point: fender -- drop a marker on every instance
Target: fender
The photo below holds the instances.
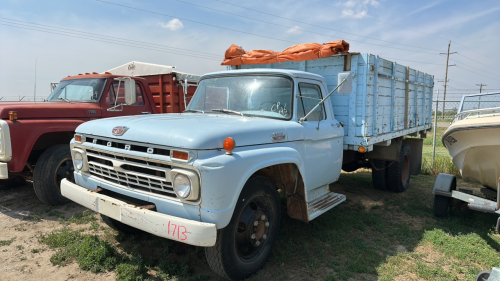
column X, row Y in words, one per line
column 229, row 173
column 25, row 133
column 444, row 185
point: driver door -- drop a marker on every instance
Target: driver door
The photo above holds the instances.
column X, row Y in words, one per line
column 323, row 137
column 114, row 94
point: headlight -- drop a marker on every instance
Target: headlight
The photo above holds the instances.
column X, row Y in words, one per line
column 182, row 185
column 78, row 160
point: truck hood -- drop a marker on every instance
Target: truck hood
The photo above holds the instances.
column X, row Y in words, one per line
column 38, row 110
column 192, row 131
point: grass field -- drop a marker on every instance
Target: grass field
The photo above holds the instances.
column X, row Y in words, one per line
column 442, row 161
column 374, row 235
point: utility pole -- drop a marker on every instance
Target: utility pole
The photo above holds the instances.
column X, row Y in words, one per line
column 480, row 90
column 446, row 75
column 481, row 87
column 34, row 94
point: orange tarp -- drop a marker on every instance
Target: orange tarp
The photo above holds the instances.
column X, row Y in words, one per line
column 309, row 51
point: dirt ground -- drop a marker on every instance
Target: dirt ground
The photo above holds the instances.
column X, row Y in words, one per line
column 23, row 218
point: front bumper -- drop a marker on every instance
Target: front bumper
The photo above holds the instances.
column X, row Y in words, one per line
column 170, row 227
column 4, row 171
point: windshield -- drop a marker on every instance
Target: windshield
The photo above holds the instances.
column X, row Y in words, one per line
column 480, row 101
column 257, row 95
column 81, row 90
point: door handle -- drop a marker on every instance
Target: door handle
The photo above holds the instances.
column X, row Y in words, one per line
column 145, row 112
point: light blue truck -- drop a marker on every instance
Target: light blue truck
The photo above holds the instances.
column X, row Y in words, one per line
column 213, row 175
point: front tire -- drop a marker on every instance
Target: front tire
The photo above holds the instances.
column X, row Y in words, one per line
column 53, row 165
column 398, row 173
column 245, row 244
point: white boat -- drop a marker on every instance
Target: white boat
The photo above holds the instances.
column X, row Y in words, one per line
column 473, row 139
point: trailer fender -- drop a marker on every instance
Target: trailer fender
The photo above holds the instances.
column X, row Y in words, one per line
column 444, row 185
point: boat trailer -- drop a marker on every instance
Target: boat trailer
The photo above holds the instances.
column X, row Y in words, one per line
column 445, row 188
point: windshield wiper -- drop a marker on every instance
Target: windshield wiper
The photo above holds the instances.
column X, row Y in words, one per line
column 193, row 110
column 228, row 111
column 66, row 100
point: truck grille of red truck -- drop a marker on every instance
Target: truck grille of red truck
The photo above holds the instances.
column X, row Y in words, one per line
column 133, row 174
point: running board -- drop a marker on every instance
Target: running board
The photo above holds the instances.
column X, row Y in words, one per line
column 323, row 204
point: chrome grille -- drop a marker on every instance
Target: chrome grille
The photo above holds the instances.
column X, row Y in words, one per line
column 133, row 173
column 126, row 146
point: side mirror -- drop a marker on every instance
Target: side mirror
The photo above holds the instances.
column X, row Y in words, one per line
column 130, row 94
column 345, row 88
column 130, row 90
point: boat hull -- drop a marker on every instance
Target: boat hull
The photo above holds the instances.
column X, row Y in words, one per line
column 474, row 145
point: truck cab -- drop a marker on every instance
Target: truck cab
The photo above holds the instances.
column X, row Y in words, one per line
column 35, row 135
column 213, row 175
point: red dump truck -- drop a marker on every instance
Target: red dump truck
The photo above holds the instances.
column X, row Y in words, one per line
column 35, row 136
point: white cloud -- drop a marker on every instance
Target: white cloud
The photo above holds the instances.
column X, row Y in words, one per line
column 174, row 24
column 294, row 30
column 347, row 13
column 357, row 8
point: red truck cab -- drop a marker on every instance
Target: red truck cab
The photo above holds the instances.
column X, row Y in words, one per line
column 35, row 136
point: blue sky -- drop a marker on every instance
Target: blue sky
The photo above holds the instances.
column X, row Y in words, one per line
column 412, row 33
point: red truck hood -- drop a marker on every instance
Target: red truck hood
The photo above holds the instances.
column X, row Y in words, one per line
column 39, row 110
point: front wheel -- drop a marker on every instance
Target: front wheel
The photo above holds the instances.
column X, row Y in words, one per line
column 53, row 165
column 245, row 244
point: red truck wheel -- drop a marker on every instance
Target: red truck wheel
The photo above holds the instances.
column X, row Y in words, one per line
column 54, row 165
column 245, row 244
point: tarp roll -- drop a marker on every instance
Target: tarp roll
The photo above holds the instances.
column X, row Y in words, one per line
column 235, row 55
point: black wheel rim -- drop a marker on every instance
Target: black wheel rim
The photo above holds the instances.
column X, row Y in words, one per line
column 64, row 170
column 252, row 232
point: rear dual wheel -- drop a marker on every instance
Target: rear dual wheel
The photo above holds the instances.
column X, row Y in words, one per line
column 245, row 244
column 393, row 175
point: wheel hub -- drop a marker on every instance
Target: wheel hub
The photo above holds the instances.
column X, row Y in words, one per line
column 259, row 230
column 253, row 228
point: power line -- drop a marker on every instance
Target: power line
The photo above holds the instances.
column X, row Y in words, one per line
column 105, row 41
column 367, row 16
column 274, row 15
column 477, row 62
column 105, row 37
column 235, row 30
column 489, row 57
column 194, row 21
column 478, row 74
column 423, row 62
column 469, row 65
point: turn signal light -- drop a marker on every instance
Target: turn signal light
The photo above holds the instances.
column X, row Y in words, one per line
column 78, row 138
column 181, row 155
column 362, row 149
column 228, row 145
column 12, row 115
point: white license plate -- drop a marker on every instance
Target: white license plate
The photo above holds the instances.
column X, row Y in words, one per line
column 109, row 209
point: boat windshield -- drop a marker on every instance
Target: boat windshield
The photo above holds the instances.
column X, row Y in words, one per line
column 80, row 90
column 252, row 95
column 479, row 104
column 481, row 101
